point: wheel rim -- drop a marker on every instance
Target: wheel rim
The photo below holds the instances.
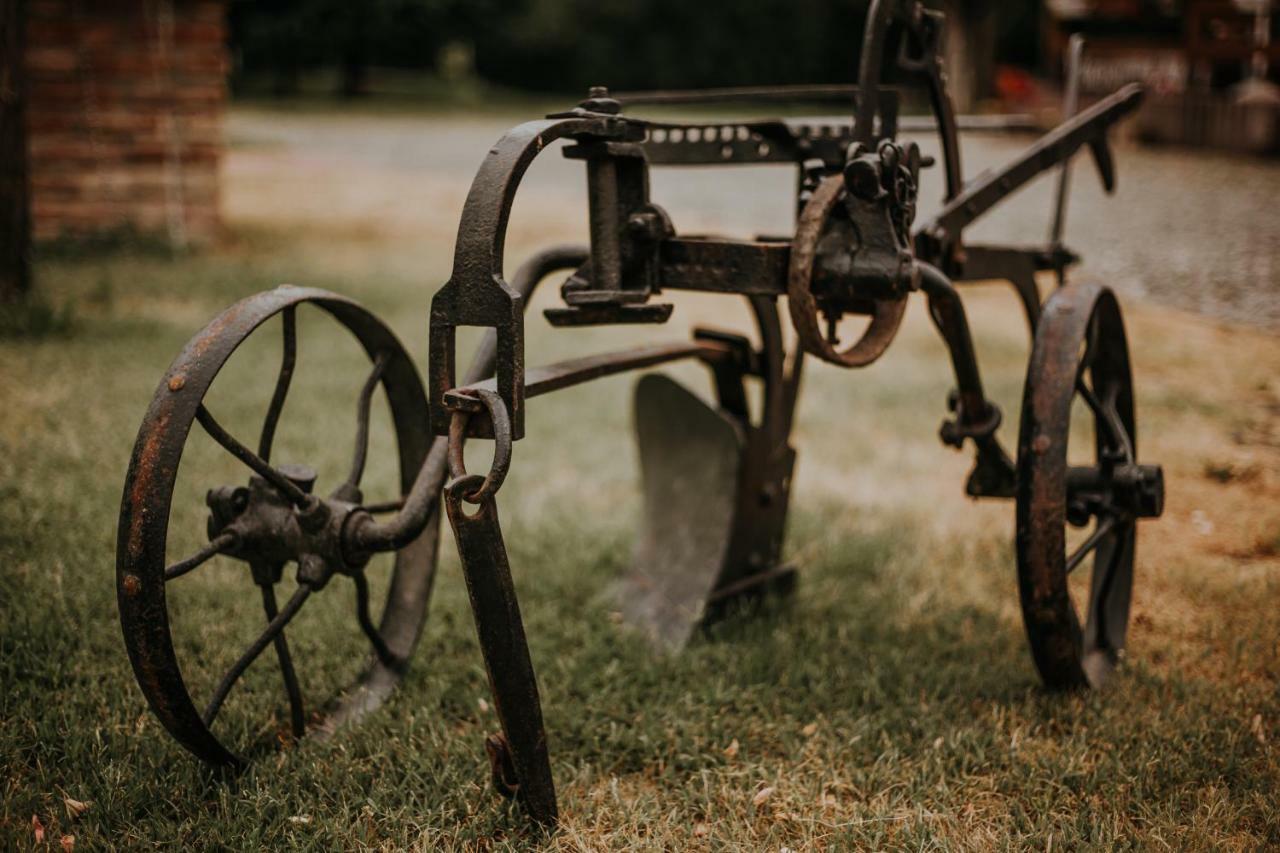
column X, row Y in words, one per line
column 886, row 314
column 1080, row 356
column 148, row 494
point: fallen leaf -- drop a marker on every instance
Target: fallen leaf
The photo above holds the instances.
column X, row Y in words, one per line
column 937, row 742
column 37, row 829
column 483, row 705
column 300, row 818
column 1201, row 523
column 700, row 829
column 732, row 749
column 68, row 843
column 810, row 730
column 75, row 808
column 762, row 796
column 1258, row 731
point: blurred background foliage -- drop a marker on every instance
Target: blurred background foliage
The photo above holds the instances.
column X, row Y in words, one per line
column 567, row 45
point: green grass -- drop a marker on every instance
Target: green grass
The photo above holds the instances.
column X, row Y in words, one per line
column 891, row 703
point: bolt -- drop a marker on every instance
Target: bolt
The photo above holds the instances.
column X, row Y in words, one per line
column 301, row 476
column 598, row 101
column 645, row 224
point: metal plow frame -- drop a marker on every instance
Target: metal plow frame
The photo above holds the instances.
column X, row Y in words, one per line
column 856, row 250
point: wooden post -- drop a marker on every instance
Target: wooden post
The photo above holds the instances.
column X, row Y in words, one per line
column 969, row 52
column 15, row 198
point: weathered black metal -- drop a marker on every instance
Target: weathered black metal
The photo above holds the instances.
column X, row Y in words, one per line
column 717, row 478
column 261, row 524
column 1080, row 353
column 502, row 641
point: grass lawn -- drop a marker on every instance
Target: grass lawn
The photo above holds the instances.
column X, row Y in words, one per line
column 891, row 702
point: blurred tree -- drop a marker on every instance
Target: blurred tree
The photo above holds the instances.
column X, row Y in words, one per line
column 567, row 45
column 15, row 199
column 554, row 44
column 282, row 38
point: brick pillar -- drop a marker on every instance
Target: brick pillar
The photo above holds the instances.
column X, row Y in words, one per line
column 15, row 205
column 125, row 117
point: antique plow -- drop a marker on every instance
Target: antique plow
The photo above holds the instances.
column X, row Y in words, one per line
column 855, row 251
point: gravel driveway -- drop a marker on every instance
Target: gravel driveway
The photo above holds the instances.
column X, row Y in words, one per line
column 1193, row 230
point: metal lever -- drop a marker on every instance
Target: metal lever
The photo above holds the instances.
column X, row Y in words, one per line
column 1070, row 103
column 506, row 652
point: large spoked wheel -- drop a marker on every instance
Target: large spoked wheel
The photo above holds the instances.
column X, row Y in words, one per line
column 1079, row 499
column 270, row 522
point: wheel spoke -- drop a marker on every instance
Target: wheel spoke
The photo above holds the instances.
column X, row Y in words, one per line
column 291, row 608
column 1101, row 591
column 1100, row 530
column 1090, row 349
column 216, row 546
column 362, row 424
column 296, row 716
column 366, row 622
column 253, row 460
column 287, row 362
column 1106, row 413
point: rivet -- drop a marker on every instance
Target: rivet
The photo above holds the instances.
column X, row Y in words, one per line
column 1041, row 443
column 131, row 585
column 176, row 383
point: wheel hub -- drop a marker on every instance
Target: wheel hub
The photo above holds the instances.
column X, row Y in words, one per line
column 269, row 530
column 1131, row 489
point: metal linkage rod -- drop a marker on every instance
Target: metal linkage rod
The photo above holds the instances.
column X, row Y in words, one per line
column 565, row 374
column 947, row 313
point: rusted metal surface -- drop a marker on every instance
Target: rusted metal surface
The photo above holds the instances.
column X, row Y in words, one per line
column 806, row 311
column 1080, row 354
column 717, row 475
column 506, row 652
column 262, row 524
column 1088, row 128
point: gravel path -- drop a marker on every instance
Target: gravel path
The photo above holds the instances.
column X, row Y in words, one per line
column 1192, row 230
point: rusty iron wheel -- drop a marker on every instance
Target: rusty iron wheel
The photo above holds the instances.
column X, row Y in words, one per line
column 142, row 568
column 1081, row 357
column 886, row 314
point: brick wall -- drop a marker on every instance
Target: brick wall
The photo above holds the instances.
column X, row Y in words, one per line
column 124, row 117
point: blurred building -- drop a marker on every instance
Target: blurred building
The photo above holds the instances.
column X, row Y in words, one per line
column 124, row 117
column 1211, row 66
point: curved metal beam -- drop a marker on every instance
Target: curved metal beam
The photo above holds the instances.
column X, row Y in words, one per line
column 476, row 293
